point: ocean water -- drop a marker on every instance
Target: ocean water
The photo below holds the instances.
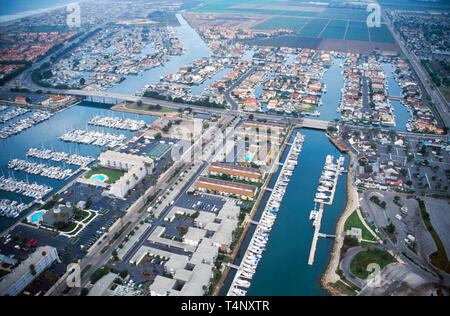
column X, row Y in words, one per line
column 15, row 9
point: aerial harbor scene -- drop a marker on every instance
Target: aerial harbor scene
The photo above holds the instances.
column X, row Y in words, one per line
column 195, row 148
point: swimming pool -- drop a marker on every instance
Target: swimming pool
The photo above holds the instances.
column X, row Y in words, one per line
column 98, row 178
column 35, row 217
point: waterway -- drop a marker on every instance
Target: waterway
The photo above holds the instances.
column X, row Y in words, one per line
column 45, row 135
column 195, row 48
column 284, row 269
column 401, row 112
column 330, row 100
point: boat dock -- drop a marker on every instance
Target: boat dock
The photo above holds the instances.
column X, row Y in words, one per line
column 256, row 247
column 42, row 170
column 329, row 179
column 11, row 209
column 93, row 138
column 117, row 123
column 328, row 184
column 47, row 154
column 32, row 190
column 21, row 125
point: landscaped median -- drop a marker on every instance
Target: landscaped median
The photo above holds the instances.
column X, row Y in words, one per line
column 439, row 258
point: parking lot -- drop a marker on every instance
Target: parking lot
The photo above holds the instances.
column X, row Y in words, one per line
column 406, row 223
column 426, row 171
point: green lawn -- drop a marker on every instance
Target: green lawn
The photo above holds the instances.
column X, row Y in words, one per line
column 113, row 175
column 359, row 263
column 354, row 221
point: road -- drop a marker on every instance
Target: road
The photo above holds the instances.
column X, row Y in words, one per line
column 437, row 98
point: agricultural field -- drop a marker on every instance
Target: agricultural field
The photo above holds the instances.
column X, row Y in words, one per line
column 302, row 17
column 314, row 27
column 335, row 29
column 381, row 34
column 294, row 24
column 357, row 31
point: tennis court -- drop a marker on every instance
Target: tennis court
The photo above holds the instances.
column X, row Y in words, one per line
column 159, row 150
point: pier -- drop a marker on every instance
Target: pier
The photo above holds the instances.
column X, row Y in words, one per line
column 317, row 223
column 256, row 247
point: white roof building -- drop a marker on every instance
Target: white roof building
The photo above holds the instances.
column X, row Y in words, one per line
column 137, row 168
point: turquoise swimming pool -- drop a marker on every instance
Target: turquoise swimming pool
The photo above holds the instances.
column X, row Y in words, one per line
column 35, row 217
column 98, row 178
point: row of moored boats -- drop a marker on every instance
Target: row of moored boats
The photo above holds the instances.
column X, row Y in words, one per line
column 33, row 190
column 13, row 114
column 328, row 179
column 93, row 138
column 118, row 123
column 21, row 125
column 11, row 209
column 52, row 172
column 47, row 154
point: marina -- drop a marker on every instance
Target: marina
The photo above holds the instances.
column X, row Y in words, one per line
column 32, row 190
column 42, row 170
column 117, row 123
column 260, row 237
column 93, row 138
column 45, row 136
column 47, row 154
column 19, row 126
column 11, row 209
